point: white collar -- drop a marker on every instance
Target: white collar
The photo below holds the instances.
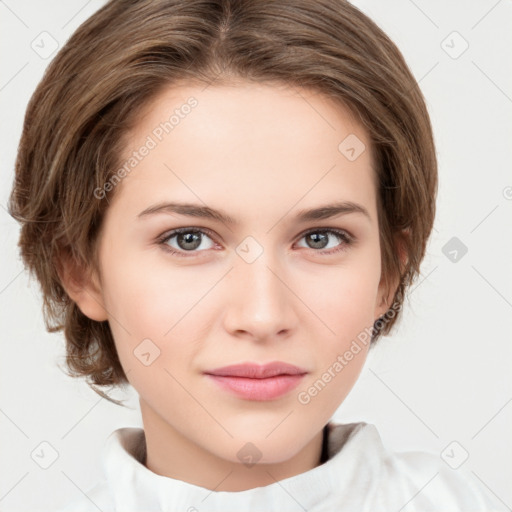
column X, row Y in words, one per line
column 134, row 487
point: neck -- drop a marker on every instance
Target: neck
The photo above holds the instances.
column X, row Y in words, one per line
column 171, row 454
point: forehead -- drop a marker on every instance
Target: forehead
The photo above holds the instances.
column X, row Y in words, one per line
column 267, row 142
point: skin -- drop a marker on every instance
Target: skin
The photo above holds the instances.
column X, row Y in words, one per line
column 261, row 153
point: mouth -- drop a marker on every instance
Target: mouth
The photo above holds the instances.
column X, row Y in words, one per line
column 252, row 381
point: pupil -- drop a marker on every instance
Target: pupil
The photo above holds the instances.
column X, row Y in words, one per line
column 319, row 240
column 189, row 238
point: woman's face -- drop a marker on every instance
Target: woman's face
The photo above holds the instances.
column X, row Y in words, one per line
column 275, row 283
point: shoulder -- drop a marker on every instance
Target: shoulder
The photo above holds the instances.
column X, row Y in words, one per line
column 122, row 451
column 407, row 481
column 431, row 484
column 94, row 499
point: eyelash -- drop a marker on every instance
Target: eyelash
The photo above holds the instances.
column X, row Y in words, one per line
column 346, row 239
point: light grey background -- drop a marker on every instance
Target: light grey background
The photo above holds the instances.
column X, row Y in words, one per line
column 443, row 376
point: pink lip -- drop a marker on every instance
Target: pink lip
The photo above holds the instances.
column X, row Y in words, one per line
column 257, row 382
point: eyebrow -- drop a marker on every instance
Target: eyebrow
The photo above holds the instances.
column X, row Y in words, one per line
column 306, row 215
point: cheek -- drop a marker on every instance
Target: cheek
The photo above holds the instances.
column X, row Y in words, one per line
column 155, row 309
column 346, row 312
column 150, row 298
column 345, row 304
column 344, row 296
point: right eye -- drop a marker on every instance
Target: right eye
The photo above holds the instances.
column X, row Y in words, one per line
column 186, row 240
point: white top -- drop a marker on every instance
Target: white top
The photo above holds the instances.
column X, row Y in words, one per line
column 359, row 475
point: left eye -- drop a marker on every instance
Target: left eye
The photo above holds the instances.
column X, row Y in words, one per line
column 318, row 239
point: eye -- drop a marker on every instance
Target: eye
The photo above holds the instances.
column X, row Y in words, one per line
column 181, row 241
column 186, row 239
column 318, row 239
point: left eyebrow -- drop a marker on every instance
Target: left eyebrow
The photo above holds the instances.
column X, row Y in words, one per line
column 331, row 210
column 306, row 215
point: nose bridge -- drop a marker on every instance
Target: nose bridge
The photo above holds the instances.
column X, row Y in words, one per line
column 259, row 298
column 260, row 277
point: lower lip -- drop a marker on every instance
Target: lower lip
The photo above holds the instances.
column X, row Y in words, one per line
column 258, row 389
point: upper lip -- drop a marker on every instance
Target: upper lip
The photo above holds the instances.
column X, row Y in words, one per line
column 257, row 371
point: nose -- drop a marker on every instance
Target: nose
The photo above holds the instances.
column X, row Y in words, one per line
column 260, row 304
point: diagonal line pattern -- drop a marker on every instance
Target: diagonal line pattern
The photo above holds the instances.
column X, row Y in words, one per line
column 491, row 419
column 424, row 14
column 100, row 509
column 418, row 492
column 426, row 277
column 11, row 281
column 13, row 13
column 14, row 485
column 492, row 81
column 217, row 486
column 495, row 289
column 490, row 490
column 320, row 115
column 280, row 423
column 485, row 15
column 76, row 14
column 492, row 211
column 81, row 418
column 428, row 72
column 410, row 409
column 279, row 483
column 13, row 77
column 424, row 76
column 14, row 424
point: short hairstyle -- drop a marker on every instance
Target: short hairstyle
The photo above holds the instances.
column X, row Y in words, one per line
column 129, row 51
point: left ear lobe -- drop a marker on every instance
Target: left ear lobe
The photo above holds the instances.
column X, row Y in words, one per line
column 385, row 297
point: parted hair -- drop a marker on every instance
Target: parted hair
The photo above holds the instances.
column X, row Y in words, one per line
column 126, row 53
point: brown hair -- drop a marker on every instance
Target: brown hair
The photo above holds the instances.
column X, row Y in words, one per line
column 128, row 51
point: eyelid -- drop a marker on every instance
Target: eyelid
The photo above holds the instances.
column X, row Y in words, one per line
column 171, row 233
column 212, row 234
column 338, row 231
column 175, row 231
